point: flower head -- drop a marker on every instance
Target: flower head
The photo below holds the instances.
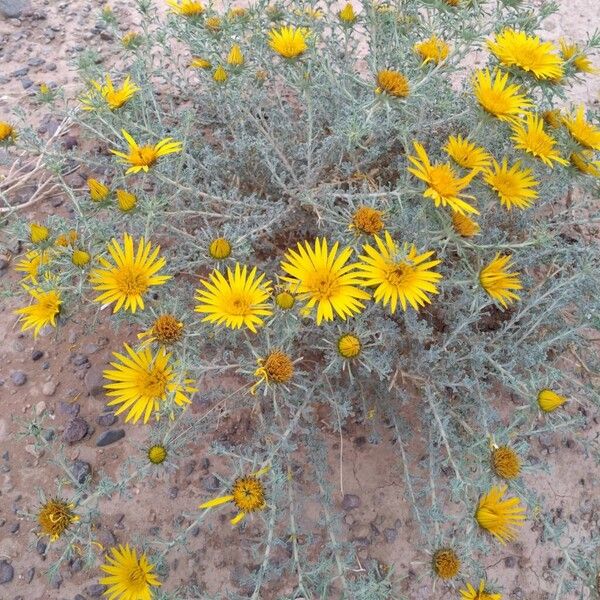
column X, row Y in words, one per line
column 392, row 83
column 498, row 516
column 7, row 132
column 321, row 277
column 347, row 15
column 141, row 158
column 80, row 258
column 499, row 98
column 31, row 264
column 549, row 401
column 128, row 577
column 505, row 462
column 98, row 191
column 349, row 346
column 235, row 58
column 499, row 282
column 213, row 24
column 584, row 162
column 66, row 239
column 131, row 39
column 157, row 454
column 367, row 220
column 200, row 63
column 236, row 300
column 288, row 41
column 514, row 186
column 446, row 563
column 55, row 517
column 38, row 233
column 464, row 225
column 581, row 130
column 220, row 75
column 529, row 135
column 404, row 276
column 141, row 381
column 552, row 118
column 115, row 98
column 166, row 330
column 186, row 8
column 126, row 200
column 433, row 50
column 285, row 300
column 276, row 368
column 527, row 52
column 443, row 184
column 572, row 52
column 220, row 248
column 43, row 311
column 470, row 593
column 466, row 154
column 130, row 274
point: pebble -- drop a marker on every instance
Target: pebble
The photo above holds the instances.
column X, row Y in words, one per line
column 75, row 430
column 81, row 470
column 18, row 377
column 95, row 590
column 49, row 388
column 69, row 408
column 173, row 492
column 13, row 9
column 41, row 547
column 110, row 437
column 390, row 534
column 29, row 574
column 40, row 408
column 79, row 359
column 106, row 420
column 36, row 355
column 350, row 501
column 94, row 380
column 210, row 483
column 6, row 572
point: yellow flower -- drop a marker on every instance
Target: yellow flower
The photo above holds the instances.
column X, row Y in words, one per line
column 466, row 154
column 141, row 158
column 157, row 454
column 7, row 132
column 131, row 39
column 42, row 312
column 187, row 8
column 238, row 300
column 312, row 13
column 552, row 118
column 505, row 462
column 529, row 135
column 129, row 276
column 498, row 516
column 220, row 248
column 98, row 191
column 129, row 577
column 497, row 97
column 55, row 517
column 126, row 200
column 285, row 300
column 237, row 12
column 393, row 83
column 235, row 58
column 213, row 23
column 549, row 401
column 514, row 186
column 367, row 220
column 464, row 226
column 403, row 276
column 583, row 161
column 288, row 41
column 44, row 89
column 527, row 52
column 349, row 345
column 498, row 281
column 470, row 593
column 220, row 75
column 38, row 233
column 582, row 130
column 443, row 185
column 200, row 63
column 31, row 264
column 80, row 258
column 165, row 330
column 347, row 14
column 323, row 279
column 247, row 493
column 141, row 381
column 114, row 98
column 276, row 367
column 446, row 563
column 66, row 239
column 572, row 52
column 432, row 49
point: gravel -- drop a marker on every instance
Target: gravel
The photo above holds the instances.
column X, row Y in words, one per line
column 110, row 437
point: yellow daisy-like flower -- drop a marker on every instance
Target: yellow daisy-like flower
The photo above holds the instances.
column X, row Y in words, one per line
column 126, row 200
column 129, row 276
column 288, row 41
column 213, row 24
column 42, row 312
column 583, row 131
column 322, row 277
column 549, row 401
column 220, row 248
column 115, row 98
column 444, row 187
column 131, row 39
column 464, row 225
column 499, row 98
column 446, row 563
column 349, row 346
column 7, row 132
column 347, row 15
column 285, row 300
column 200, row 63
column 247, row 493
column 55, row 517
column 98, row 191
column 166, row 330
column 157, row 454
column 80, row 258
column 186, row 8
column 238, row 300
column 276, row 367
column 527, row 52
column 466, row 154
column 572, row 52
column 128, row 577
column 499, row 282
column 505, row 462
column 433, row 50
column 220, row 75
column 31, row 264
column 498, row 516
column 367, row 220
column 392, row 83
column 141, row 158
column 529, row 135
column 470, row 593
column 38, row 233
column 398, row 276
column 235, row 58
column 552, row 118
column 585, row 163
column 514, row 186
column 141, row 381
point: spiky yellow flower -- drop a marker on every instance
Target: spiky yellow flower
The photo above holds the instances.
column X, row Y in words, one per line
column 157, row 454
column 466, row 154
column 32, row 263
column 186, row 8
column 237, row 12
column 392, row 83
column 321, row 277
column 349, row 346
column 498, row 516
column 240, row 300
column 347, row 15
column 398, row 275
column 38, row 233
column 498, row 281
column 581, row 130
column 213, row 24
column 514, row 185
column 572, row 52
column 128, row 577
column 141, row 158
column 433, row 50
column 552, row 118
column 446, row 563
column 549, row 401
column 367, row 220
column 80, row 258
column 66, row 239
column 114, row 98
column 464, row 226
column 200, row 63
column 98, row 191
column 55, row 517
column 129, row 276
column 529, row 135
column 499, row 98
column 235, row 58
column 470, row 593
column 220, row 75
column 43, row 311
column 131, row 39
column 7, row 132
column 166, row 330
column 276, row 368
column 584, row 162
column 141, row 381
column 505, row 462
column 527, row 52
column 220, row 248
column 444, row 186
column 288, row 41
column 247, row 493
column 126, row 200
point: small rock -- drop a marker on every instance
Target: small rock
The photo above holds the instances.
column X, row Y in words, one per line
column 106, row 420
column 41, row 547
column 36, row 355
column 76, row 565
column 350, row 501
column 81, row 470
column 510, row 562
column 69, row 408
column 29, row 574
column 95, row 590
column 40, row 408
column 6, row 569
column 94, row 380
column 12, row 9
column 75, row 430
column 79, row 597
column 390, row 535
column 18, row 377
column 173, row 492
column 49, row 388
column 15, row 527
column 56, row 581
column 110, row 437
column 79, row 359
column 210, row 483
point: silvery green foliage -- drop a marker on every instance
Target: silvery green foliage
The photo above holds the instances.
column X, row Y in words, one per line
column 268, row 163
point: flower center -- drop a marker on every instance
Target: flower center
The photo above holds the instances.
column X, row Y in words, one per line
column 132, row 281
column 322, row 285
column 442, row 180
column 240, row 305
column 154, row 383
column 398, row 273
column 144, row 156
column 138, row 579
column 248, row 494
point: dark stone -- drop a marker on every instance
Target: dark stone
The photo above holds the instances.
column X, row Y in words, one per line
column 79, row 359
column 6, row 572
column 81, row 470
column 173, row 492
column 15, row 527
column 106, row 420
column 18, row 377
column 95, row 590
column 210, row 483
column 56, row 581
column 68, row 408
column 36, row 355
column 350, row 501
column 75, row 430
column 94, row 380
column 26, row 83
column 110, row 437
column 13, row 9
column 79, row 597
column 75, row 565
column 29, row 574
column 390, row 535
column 41, row 547
column 510, row 562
